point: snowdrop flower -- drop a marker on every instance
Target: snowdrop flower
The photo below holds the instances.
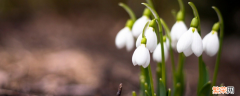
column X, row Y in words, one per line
column 151, row 39
column 151, row 36
column 211, row 43
column 190, row 42
column 141, row 55
column 157, row 53
column 178, row 29
column 140, row 23
column 125, row 38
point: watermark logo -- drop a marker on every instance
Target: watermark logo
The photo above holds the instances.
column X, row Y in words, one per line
column 223, row 90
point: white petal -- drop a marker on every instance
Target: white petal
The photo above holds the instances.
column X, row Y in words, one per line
column 157, row 54
column 139, row 25
column 151, row 39
column 120, row 40
column 197, row 45
column 167, row 43
column 174, row 44
column 185, row 41
column 129, row 41
column 138, row 42
column 178, row 29
column 212, row 46
column 141, row 55
column 205, row 39
column 188, row 51
column 134, row 58
column 148, row 61
column 165, row 51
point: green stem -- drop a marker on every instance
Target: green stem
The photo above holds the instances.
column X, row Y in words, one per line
column 200, row 84
column 142, row 81
column 134, row 93
column 144, row 29
column 200, row 74
column 161, row 40
column 180, row 62
column 150, row 3
column 169, row 92
column 196, row 15
column 220, row 46
column 166, row 28
column 158, row 77
column 180, row 75
column 129, row 11
column 170, row 47
column 181, row 6
column 150, row 78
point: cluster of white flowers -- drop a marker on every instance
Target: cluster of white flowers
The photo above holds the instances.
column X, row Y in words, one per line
column 183, row 40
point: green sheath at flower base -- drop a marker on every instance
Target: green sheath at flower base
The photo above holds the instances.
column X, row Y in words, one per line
column 216, row 26
column 144, row 40
column 194, row 22
column 196, row 15
column 129, row 23
column 147, row 12
column 152, row 23
column 180, row 16
column 129, row 11
column 164, row 38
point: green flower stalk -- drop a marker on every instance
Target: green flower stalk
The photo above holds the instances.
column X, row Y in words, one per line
column 129, row 11
column 203, row 82
column 161, row 41
column 220, row 46
column 124, row 37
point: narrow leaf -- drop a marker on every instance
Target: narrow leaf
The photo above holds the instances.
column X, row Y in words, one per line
column 206, row 89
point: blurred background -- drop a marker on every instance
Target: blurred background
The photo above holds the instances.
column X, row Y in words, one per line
column 66, row 47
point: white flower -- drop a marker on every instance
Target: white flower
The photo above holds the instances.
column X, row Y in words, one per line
column 138, row 26
column 178, row 29
column 141, row 56
column 190, row 42
column 125, row 38
column 151, row 39
column 211, row 43
column 157, row 54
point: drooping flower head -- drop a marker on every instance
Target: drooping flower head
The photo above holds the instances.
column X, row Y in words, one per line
column 125, row 38
column 178, row 29
column 157, row 53
column 141, row 55
column 211, row 41
column 140, row 23
column 191, row 42
column 151, row 37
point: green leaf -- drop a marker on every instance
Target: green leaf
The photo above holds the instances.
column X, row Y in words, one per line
column 169, row 92
column 159, row 75
column 163, row 91
column 179, row 75
column 203, row 76
column 206, row 89
column 177, row 90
